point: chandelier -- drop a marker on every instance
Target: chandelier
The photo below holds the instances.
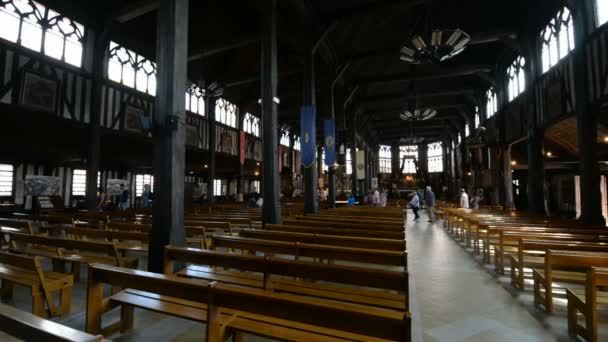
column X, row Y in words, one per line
column 412, row 140
column 444, row 44
column 418, row 114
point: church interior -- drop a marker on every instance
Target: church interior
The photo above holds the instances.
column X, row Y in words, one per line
column 303, row 170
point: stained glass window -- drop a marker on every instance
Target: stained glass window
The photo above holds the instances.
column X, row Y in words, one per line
column 435, row 157
column 251, row 124
column 384, row 158
column 225, row 112
column 411, row 151
column 516, row 78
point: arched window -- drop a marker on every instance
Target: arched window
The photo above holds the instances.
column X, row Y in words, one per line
column 467, row 131
column 23, row 22
column 459, row 138
column 296, row 143
column 384, row 158
column 195, row 100
column 477, row 117
column 491, row 102
column 557, row 39
column 284, row 138
column 601, row 8
column 516, row 78
column 435, row 157
column 412, row 151
column 251, row 124
column 225, row 112
column 131, row 70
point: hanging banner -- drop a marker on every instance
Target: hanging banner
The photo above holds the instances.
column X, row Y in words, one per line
column 308, row 119
column 360, row 165
column 242, row 147
column 329, row 128
column 280, row 149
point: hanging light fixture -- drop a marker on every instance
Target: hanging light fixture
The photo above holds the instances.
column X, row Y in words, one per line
column 418, row 114
column 440, row 45
column 439, row 49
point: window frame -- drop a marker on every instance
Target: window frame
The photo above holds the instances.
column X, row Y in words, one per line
column 4, row 176
column 79, row 188
column 435, row 157
column 410, row 150
column 140, row 182
column 491, row 102
column 516, row 75
column 385, row 158
column 552, row 34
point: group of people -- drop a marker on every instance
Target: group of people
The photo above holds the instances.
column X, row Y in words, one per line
column 429, row 201
column 473, row 203
column 122, row 200
column 377, row 197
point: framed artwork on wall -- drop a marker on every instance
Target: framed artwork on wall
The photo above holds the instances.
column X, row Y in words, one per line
column 39, row 92
column 135, row 119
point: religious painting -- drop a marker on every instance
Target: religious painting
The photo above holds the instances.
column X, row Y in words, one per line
column 226, row 142
column 39, row 92
column 135, row 119
column 42, row 186
column 360, row 165
column 113, row 186
column 191, row 135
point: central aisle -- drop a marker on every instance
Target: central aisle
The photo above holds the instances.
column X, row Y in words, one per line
column 453, row 298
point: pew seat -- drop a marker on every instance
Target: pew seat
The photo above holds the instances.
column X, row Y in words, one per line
column 233, row 310
column 27, row 271
column 585, row 302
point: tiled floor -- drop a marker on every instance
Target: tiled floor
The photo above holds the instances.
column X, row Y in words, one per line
column 456, row 299
column 453, row 298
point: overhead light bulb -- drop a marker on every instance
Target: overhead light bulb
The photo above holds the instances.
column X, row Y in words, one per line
column 453, row 38
column 513, row 162
column 418, row 42
column 407, row 51
column 436, row 38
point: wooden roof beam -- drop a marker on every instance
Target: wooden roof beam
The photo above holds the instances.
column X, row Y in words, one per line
column 135, row 9
column 432, row 75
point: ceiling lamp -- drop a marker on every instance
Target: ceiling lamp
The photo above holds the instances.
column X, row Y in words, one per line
column 443, row 45
column 418, row 114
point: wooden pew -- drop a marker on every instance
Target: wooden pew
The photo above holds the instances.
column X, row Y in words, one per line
column 63, row 251
column 320, row 239
column 555, row 262
column 531, row 253
column 344, row 225
column 229, row 309
column 27, row 271
column 28, row 327
column 274, row 273
column 350, row 223
column 371, row 256
column 585, row 301
column 313, row 228
column 508, row 241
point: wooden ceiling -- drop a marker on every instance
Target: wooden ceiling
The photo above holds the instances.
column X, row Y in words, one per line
column 358, row 40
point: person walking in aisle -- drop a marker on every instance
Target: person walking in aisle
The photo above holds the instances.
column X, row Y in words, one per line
column 429, row 198
column 464, row 199
column 415, row 205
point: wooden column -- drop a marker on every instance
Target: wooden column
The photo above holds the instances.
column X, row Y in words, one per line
column 353, row 158
column 272, row 206
column 587, row 124
column 210, row 110
column 94, row 147
column 311, row 201
column 170, row 135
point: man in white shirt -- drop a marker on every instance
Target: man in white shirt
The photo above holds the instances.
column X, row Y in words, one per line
column 464, row 199
column 415, row 205
column 376, row 197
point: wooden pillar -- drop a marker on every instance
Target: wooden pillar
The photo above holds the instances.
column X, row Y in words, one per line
column 272, row 206
column 94, row 148
column 170, row 136
column 536, row 135
column 311, row 201
column 353, row 158
column 210, row 110
column 587, row 124
column 423, row 162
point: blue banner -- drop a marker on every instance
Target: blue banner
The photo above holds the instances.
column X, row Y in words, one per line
column 329, row 128
column 308, row 137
